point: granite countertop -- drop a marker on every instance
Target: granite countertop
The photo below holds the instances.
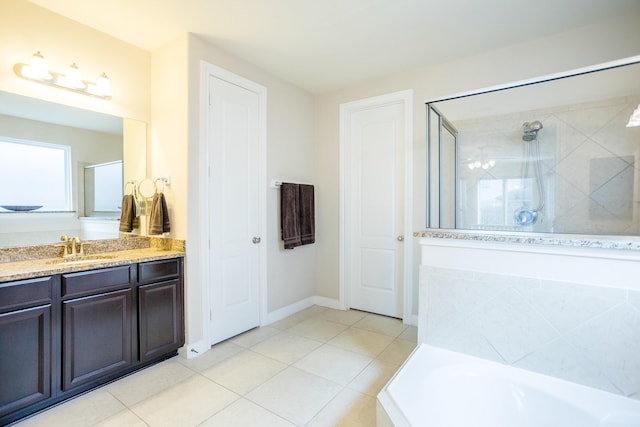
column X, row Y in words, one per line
column 26, row 264
column 627, row 243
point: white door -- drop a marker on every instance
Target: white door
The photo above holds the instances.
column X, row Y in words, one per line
column 234, row 211
column 374, row 202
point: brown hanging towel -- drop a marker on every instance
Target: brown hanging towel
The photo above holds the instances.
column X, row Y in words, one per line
column 159, row 216
column 297, row 214
column 307, row 215
column 128, row 214
column 289, row 218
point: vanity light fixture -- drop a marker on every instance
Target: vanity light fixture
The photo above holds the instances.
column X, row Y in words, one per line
column 36, row 70
column 634, row 120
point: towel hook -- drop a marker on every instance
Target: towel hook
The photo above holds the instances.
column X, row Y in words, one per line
column 133, row 187
column 165, row 181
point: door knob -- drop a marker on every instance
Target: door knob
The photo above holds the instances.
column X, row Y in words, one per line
column 400, row 238
column 256, row 240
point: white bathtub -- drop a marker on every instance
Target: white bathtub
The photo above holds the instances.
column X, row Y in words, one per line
column 441, row 388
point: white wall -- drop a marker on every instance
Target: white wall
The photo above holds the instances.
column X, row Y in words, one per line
column 175, row 150
column 26, row 28
column 577, row 48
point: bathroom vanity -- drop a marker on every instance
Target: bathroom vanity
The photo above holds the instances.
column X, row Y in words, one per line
column 64, row 333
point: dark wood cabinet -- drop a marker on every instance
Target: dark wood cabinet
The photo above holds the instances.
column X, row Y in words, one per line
column 25, row 358
column 96, row 337
column 66, row 334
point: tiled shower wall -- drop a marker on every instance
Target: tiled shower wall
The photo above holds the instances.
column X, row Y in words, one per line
column 590, row 166
column 581, row 333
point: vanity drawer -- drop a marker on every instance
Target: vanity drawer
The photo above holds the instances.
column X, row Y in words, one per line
column 89, row 282
column 25, row 293
column 158, row 270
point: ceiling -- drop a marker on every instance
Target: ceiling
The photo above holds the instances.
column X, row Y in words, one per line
column 325, row 45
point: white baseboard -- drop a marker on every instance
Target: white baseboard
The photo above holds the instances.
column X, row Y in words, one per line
column 328, row 302
column 194, row 350
column 288, row 310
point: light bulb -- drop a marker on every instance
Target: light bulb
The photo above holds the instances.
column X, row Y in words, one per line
column 38, row 68
column 73, row 78
column 103, row 85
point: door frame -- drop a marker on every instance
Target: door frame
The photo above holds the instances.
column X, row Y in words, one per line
column 405, row 98
column 209, row 70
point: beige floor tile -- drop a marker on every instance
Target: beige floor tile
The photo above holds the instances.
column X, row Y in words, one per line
column 218, row 353
column 188, row 403
column 348, row 317
column 147, row 382
column 254, row 336
column 360, row 341
column 333, row 363
column 286, row 347
column 125, row 418
column 409, row 334
column 243, row 413
column 295, row 395
column 397, row 352
column 83, row 411
column 348, row 409
column 318, row 328
column 374, row 377
column 244, row 371
column 381, row 324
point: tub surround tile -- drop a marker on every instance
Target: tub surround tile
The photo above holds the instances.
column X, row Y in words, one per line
column 567, row 309
column 561, row 360
column 578, row 332
column 611, row 342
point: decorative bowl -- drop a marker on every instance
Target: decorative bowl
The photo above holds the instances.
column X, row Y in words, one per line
column 21, row 208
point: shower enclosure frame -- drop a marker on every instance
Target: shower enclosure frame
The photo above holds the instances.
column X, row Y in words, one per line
column 433, row 166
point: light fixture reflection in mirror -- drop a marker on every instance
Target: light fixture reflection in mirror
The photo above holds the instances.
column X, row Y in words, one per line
column 38, row 71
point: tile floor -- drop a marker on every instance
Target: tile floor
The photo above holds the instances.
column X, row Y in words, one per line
column 318, row 367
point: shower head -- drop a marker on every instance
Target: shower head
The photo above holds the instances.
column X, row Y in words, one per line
column 530, row 130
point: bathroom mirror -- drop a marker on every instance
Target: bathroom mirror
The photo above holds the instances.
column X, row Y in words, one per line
column 67, row 143
column 548, row 156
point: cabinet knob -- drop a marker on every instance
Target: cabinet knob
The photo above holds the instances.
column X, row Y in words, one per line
column 256, row 240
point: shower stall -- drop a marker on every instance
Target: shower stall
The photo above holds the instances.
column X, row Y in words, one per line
column 556, row 156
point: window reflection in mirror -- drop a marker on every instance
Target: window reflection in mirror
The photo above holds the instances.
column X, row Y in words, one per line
column 36, row 176
column 103, row 189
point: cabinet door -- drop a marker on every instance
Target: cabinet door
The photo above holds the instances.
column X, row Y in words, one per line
column 25, row 358
column 160, row 318
column 96, row 337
